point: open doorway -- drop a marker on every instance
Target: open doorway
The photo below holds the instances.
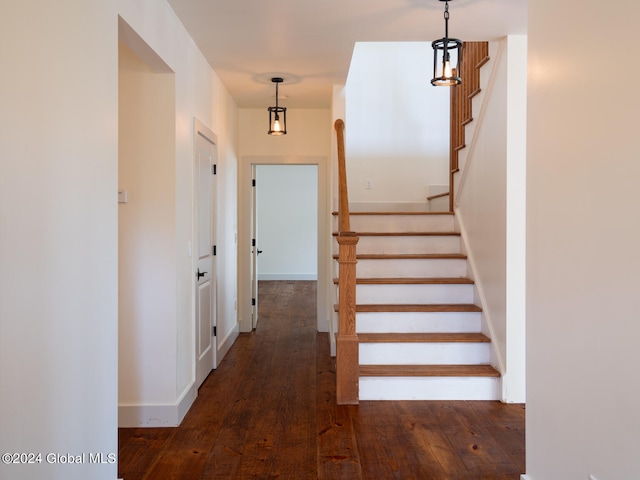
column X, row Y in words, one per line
column 247, row 252
column 285, row 226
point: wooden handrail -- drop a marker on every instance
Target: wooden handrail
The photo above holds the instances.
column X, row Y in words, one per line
column 438, row 195
column 343, row 210
column 347, row 359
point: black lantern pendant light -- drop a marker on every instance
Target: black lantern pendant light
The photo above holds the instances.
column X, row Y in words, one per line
column 447, row 53
column 277, row 115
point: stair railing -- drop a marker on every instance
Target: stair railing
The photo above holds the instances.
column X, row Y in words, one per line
column 474, row 56
column 347, row 361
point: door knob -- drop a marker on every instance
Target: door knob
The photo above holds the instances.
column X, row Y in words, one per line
column 259, row 252
column 201, row 274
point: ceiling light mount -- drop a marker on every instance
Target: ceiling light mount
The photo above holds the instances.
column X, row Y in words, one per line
column 277, row 115
column 447, row 54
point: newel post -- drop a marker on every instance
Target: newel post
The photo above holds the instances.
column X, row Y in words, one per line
column 347, row 362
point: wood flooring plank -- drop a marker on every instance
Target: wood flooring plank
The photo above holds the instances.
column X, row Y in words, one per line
column 480, row 453
column 225, row 456
column 268, row 411
column 387, row 449
column 338, row 456
column 138, row 449
column 188, row 454
column 425, row 420
column 506, row 424
column 282, row 441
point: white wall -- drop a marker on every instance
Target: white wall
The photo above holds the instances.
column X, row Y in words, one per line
column 287, row 222
column 58, row 235
column 308, row 141
column 583, row 232
column 60, row 136
column 489, row 201
column 397, row 125
column 198, row 94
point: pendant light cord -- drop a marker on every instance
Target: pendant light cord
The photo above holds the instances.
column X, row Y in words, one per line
column 446, row 20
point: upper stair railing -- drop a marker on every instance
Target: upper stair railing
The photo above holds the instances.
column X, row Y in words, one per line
column 474, row 56
column 347, row 361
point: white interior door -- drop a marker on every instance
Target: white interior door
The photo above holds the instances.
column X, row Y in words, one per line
column 205, row 250
column 254, row 249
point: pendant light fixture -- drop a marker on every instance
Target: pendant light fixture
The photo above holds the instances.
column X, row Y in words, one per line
column 277, row 115
column 447, row 53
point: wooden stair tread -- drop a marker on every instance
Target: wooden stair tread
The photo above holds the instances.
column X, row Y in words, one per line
column 423, row 338
column 411, row 281
column 372, row 256
column 394, row 213
column 408, row 256
column 428, row 371
column 403, row 308
column 404, row 234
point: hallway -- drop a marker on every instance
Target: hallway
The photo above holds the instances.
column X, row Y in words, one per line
column 269, row 412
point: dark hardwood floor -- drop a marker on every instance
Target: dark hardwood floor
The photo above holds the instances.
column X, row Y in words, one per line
column 269, row 412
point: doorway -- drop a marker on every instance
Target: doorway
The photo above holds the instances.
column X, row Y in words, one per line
column 284, row 226
column 245, row 228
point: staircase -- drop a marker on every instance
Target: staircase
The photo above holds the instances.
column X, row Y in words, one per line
column 418, row 328
column 409, row 327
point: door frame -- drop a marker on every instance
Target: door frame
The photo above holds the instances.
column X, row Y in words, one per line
column 244, row 233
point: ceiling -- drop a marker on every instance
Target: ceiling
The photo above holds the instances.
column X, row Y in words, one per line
column 309, row 43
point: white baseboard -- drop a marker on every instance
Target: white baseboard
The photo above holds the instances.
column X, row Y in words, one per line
column 287, row 276
column 186, row 400
column 525, row 477
column 225, row 343
column 137, row 416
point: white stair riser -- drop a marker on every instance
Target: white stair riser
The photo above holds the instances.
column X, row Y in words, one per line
column 429, row 388
column 410, row 244
column 407, row 268
column 418, row 322
column 401, row 223
column 424, row 353
column 414, row 294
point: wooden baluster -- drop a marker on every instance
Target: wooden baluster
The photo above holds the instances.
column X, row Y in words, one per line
column 467, row 62
column 473, row 69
